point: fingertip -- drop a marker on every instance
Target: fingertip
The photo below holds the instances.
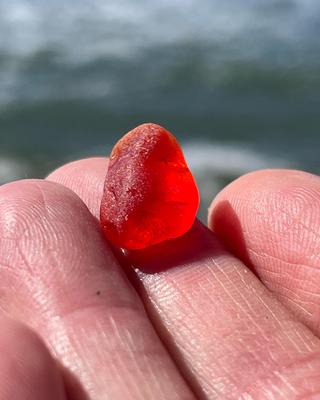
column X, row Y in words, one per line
column 86, row 178
column 78, row 165
column 256, row 188
column 270, row 220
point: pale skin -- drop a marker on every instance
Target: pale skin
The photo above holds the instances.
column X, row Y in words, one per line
column 227, row 313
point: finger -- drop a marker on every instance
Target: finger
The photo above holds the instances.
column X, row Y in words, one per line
column 271, row 218
column 86, row 178
column 27, row 370
column 222, row 326
column 58, row 274
column 220, row 321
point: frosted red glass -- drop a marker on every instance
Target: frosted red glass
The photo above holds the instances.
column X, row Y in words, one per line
column 150, row 194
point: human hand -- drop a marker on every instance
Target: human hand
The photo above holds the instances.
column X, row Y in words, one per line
column 216, row 325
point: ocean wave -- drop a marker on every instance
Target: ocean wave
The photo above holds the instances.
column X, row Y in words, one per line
column 92, row 50
column 215, row 165
column 96, row 28
column 241, row 159
column 12, row 169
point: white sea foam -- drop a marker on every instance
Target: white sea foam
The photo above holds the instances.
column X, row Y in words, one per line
column 229, row 159
column 216, row 164
column 12, row 169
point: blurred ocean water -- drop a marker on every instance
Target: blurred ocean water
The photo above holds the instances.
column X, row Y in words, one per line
column 237, row 81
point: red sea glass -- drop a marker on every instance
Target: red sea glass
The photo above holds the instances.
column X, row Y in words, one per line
column 150, row 194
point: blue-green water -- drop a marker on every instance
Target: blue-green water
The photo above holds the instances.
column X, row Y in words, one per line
column 237, row 81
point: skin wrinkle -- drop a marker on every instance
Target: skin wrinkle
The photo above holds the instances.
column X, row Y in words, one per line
column 245, row 396
column 295, row 220
column 260, row 330
column 304, row 341
column 304, row 194
column 176, row 346
column 264, row 255
column 153, row 379
column 233, row 334
column 238, row 304
column 27, row 266
column 33, row 277
column 229, row 379
column 189, row 305
column 46, row 285
column 272, row 391
column 264, row 304
column 153, row 382
column 314, row 257
column 286, row 297
column 300, row 228
column 117, row 335
column 286, row 279
column 21, row 254
column 283, row 282
column 303, row 282
column 116, row 373
column 142, row 394
column 10, row 220
column 275, row 318
column 18, row 237
column 65, row 344
column 308, row 384
column 181, row 316
column 73, row 272
column 85, row 352
column 43, row 203
column 309, row 396
column 123, row 367
column 277, row 391
column 284, row 212
column 9, row 269
column 284, row 375
column 18, row 240
column 272, row 314
column 133, row 385
column 196, row 332
column 290, row 295
column 303, row 291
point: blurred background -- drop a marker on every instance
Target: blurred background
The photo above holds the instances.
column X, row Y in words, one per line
column 237, row 81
